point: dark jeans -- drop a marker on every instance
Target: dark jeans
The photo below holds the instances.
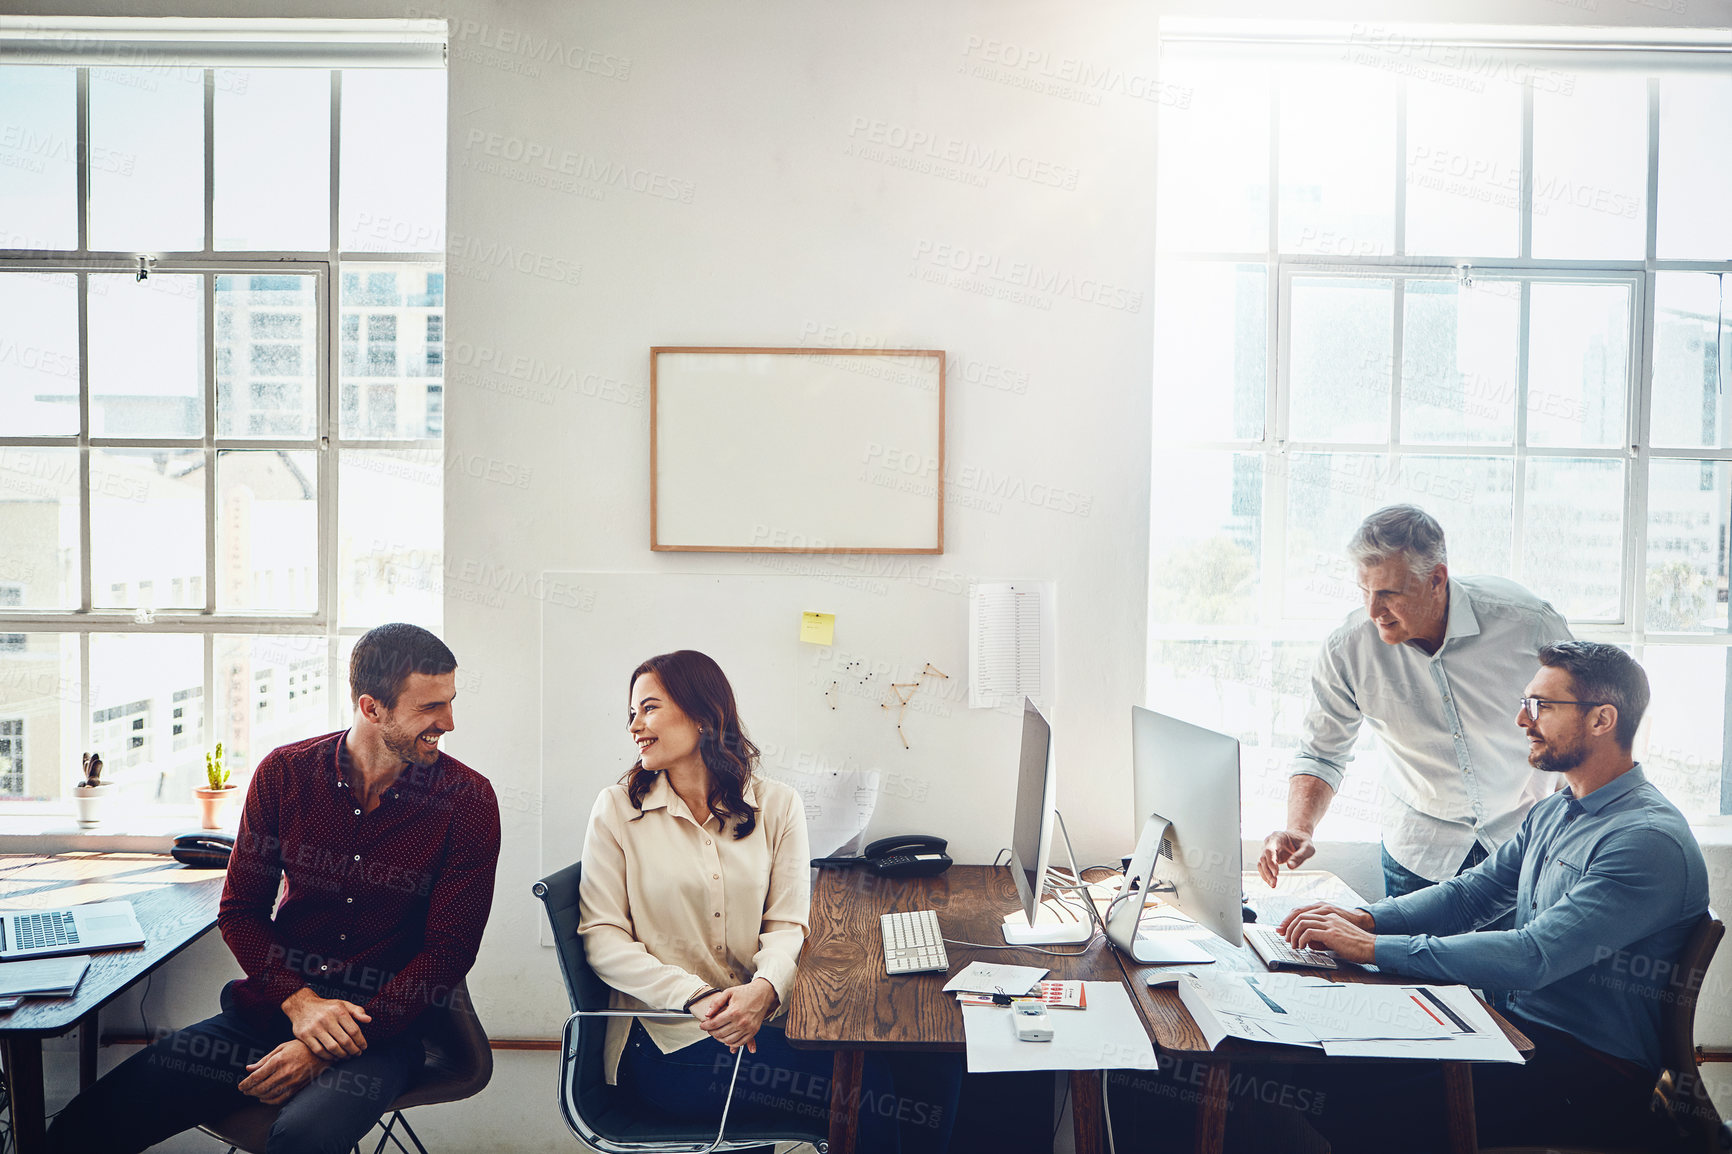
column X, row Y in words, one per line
column 1398, row 880
column 189, row 1077
column 1566, row 1095
column 907, row 1103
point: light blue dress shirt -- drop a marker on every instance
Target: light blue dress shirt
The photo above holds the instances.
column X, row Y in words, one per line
column 1605, row 891
column 1458, row 771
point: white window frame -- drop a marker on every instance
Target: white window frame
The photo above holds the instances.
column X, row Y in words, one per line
column 327, row 441
column 1281, row 268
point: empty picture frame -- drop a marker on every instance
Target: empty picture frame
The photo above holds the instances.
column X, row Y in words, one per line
column 767, row 450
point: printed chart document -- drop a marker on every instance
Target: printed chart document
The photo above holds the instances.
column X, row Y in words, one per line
column 992, row 978
column 1345, row 1019
column 1109, row 1035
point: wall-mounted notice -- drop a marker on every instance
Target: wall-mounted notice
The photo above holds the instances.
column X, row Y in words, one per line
column 1010, row 635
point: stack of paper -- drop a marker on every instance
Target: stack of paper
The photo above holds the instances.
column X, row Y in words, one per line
column 1345, row 1019
column 43, row 977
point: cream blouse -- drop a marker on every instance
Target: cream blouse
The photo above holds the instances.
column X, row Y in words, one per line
column 670, row 907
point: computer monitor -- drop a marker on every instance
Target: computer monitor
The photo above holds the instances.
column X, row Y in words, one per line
column 1031, row 840
column 1186, row 786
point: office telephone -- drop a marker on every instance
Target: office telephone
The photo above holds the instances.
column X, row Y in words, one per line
column 903, row 856
column 206, row 849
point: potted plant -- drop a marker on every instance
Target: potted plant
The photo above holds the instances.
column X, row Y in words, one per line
column 213, row 801
column 91, row 795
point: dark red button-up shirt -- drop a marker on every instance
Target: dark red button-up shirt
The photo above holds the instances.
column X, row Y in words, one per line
column 383, row 909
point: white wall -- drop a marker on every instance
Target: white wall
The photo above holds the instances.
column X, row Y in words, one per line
column 762, row 215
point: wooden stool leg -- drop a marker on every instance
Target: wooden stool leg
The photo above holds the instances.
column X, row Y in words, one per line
column 24, row 1082
column 847, row 1080
column 1458, row 1102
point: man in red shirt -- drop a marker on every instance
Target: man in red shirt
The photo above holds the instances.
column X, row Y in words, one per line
column 389, row 848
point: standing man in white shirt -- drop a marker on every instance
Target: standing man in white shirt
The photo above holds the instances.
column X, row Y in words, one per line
column 1432, row 664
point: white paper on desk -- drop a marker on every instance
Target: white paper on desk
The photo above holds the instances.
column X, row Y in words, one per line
column 1486, row 1042
column 1109, row 1035
column 45, row 977
column 986, row 978
column 1225, row 1006
column 1353, row 1010
column 839, row 805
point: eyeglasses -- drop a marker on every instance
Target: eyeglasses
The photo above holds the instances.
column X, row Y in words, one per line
column 1531, row 705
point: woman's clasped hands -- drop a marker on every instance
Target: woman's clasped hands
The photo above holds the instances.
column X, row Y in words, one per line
column 734, row 1015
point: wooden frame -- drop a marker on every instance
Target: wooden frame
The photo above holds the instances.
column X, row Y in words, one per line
column 796, row 450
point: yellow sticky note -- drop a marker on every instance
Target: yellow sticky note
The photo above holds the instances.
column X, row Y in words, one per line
column 818, row 628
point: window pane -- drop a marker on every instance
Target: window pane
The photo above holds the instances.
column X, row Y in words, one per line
column 1684, row 730
column 1464, row 168
column 1578, row 364
column 267, row 356
column 1211, row 350
column 38, row 529
column 267, row 532
column 39, row 704
column 39, row 362
column 1590, row 168
column 1688, row 503
column 1222, row 129
column 1338, row 164
column 1329, row 494
column 137, row 682
column 1259, row 692
column 1340, row 341
column 393, row 164
column 1695, row 168
column 1206, row 548
column 156, row 117
column 393, row 351
column 1692, row 361
column 1458, row 362
column 39, row 157
column 273, row 690
column 391, row 539
column 1573, row 529
column 147, row 528
column 146, row 356
column 273, row 159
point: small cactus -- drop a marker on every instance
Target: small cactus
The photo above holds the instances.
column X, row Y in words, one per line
column 93, row 769
column 213, row 769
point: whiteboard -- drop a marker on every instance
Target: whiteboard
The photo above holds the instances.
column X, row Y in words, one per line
column 797, row 450
column 957, row 779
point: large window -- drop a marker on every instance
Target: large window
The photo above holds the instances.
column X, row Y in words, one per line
column 1487, row 285
column 221, row 310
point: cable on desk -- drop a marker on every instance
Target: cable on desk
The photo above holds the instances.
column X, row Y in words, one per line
column 1106, row 1080
column 1036, row 949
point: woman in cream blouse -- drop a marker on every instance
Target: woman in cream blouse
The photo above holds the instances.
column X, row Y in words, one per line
column 695, row 895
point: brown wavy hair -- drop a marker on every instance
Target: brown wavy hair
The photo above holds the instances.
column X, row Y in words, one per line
column 701, row 690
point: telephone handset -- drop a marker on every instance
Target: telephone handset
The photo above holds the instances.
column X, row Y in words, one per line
column 206, row 849
column 904, row 856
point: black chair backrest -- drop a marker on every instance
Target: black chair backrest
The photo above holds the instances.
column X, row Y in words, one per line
column 558, row 892
column 1690, row 1104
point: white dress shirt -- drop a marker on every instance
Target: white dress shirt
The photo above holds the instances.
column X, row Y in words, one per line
column 669, row 907
column 1458, row 762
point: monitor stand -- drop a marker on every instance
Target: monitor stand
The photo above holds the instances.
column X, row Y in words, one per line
column 1162, row 947
column 1055, row 933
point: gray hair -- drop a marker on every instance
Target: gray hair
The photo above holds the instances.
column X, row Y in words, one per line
column 1404, row 531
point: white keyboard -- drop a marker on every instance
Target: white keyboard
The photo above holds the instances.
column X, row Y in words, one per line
column 1277, row 954
column 913, row 943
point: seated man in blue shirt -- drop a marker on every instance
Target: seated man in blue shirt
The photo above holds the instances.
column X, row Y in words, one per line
column 1606, row 883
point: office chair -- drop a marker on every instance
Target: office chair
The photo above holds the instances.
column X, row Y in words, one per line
column 1679, row 1090
column 605, row 1117
column 459, row 1065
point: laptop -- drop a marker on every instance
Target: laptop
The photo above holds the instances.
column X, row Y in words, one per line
column 73, row 930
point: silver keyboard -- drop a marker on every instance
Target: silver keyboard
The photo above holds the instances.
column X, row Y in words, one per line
column 1275, row 951
column 913, row 943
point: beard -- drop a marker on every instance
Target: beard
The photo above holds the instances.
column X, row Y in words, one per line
column 1553, row 758
column 409, row 746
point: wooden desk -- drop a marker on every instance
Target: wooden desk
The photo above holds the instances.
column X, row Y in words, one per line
column 844, row 1000
column 1176, row 1034
column 175, row 905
